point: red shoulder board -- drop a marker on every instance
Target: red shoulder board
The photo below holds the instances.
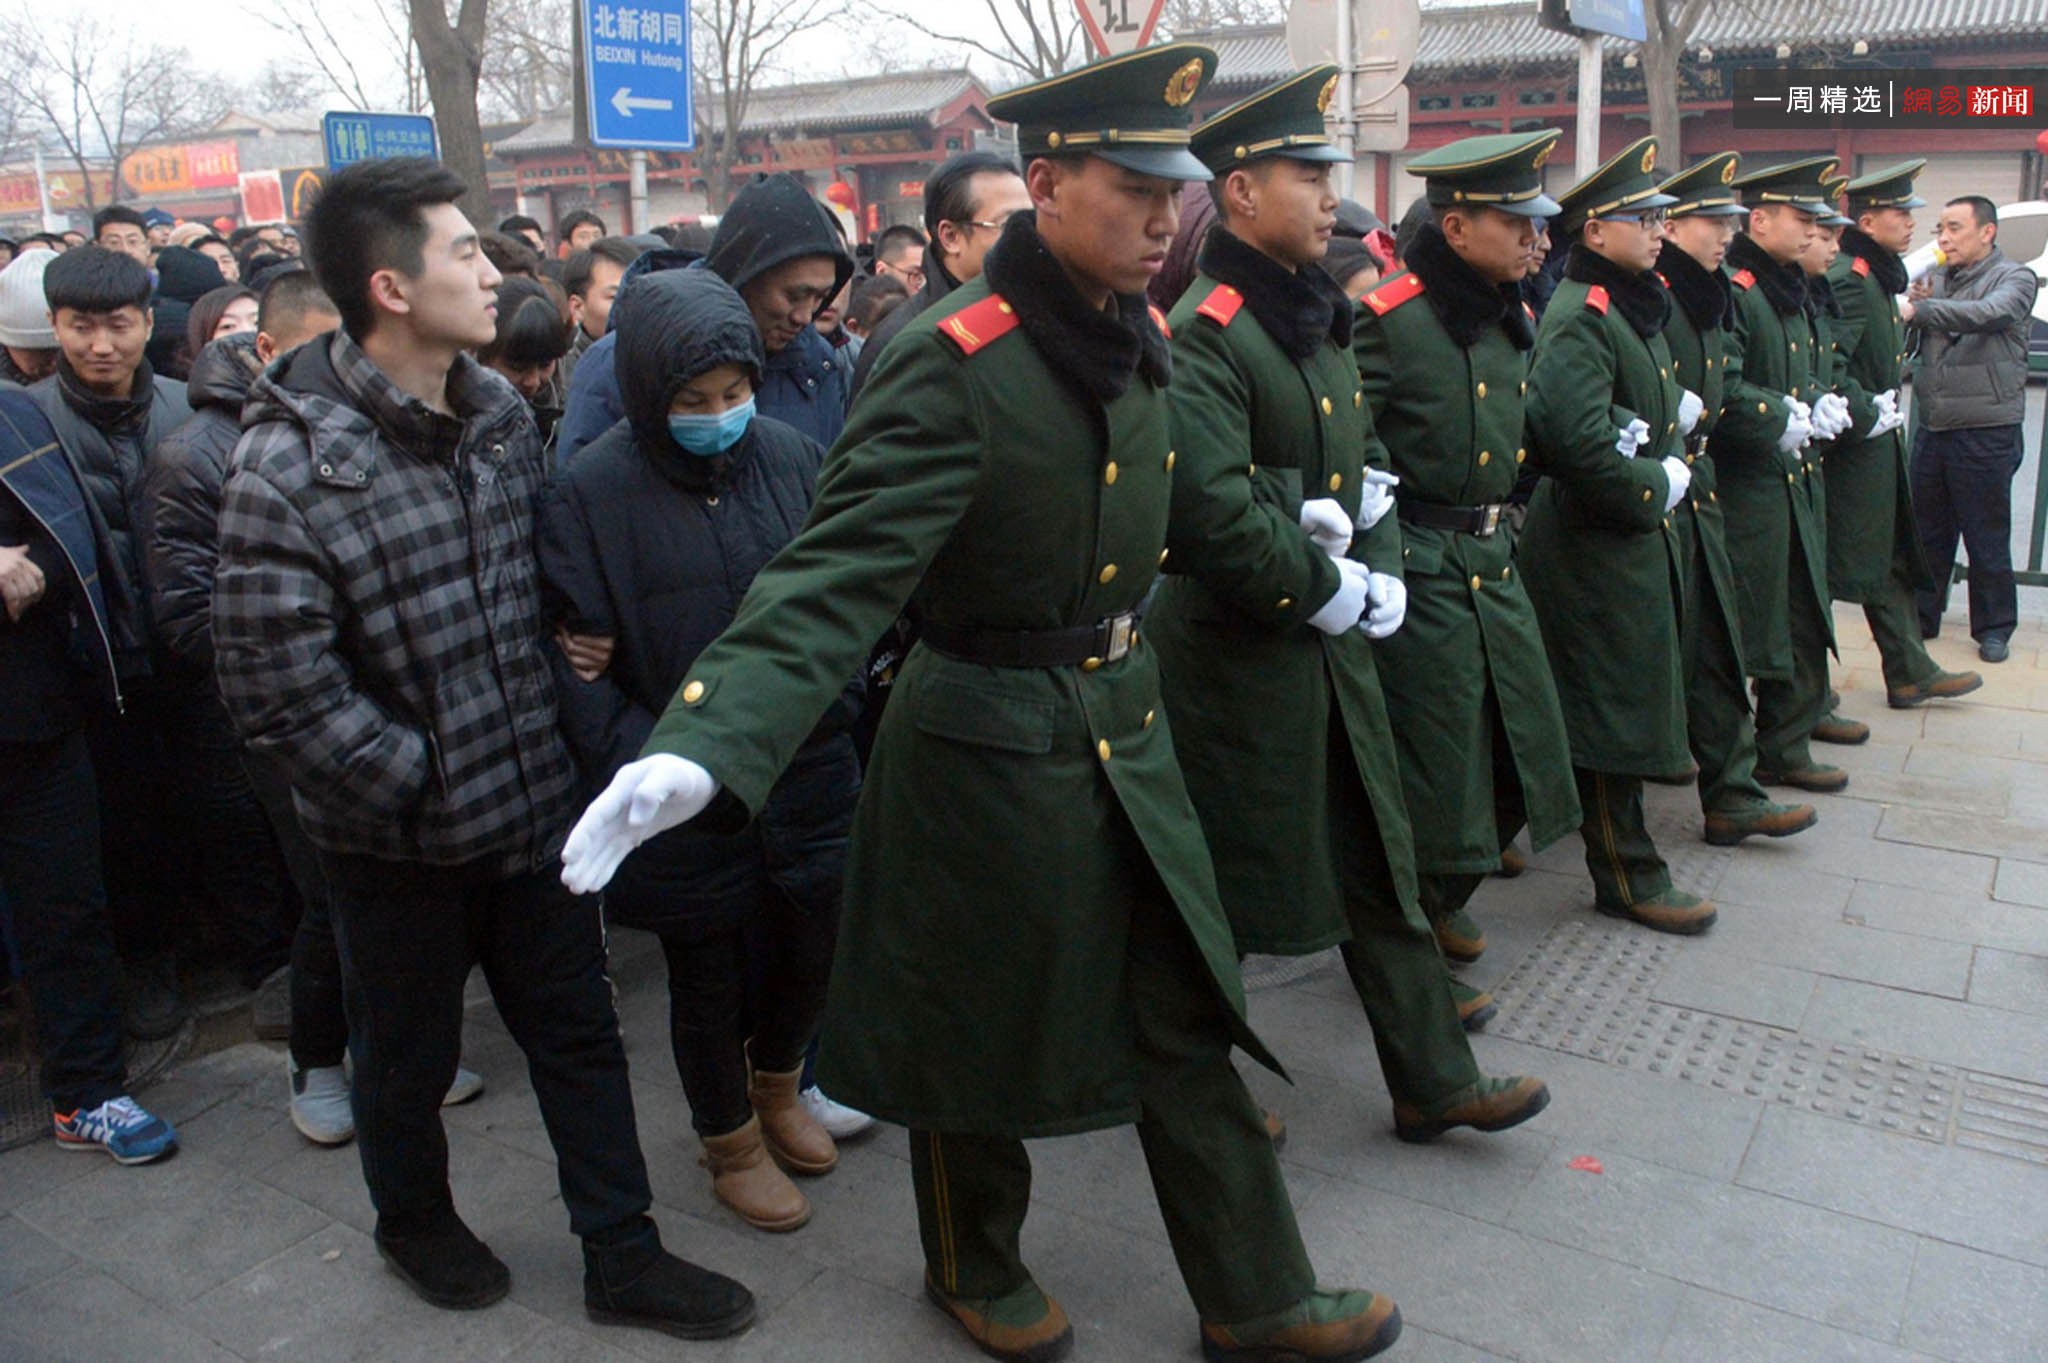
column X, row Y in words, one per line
column 1744, row 280
column 1661, row 279
column 976, row 325
column 1596, row 299
column 1221, row 305
column 1531, row 311
column 1402, row 288
column 1861, row 266
column 1159, row 320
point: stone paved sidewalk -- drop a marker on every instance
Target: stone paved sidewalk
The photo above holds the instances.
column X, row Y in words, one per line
column 1821, row 1134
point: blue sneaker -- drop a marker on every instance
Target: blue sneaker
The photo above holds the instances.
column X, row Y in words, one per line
column 119, row 1127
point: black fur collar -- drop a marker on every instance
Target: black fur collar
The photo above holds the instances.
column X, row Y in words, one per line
column 1783, row 285
column 1642, row 300
column 1704, row 294
column 1820, row 297
column 1465, row 301
column 1300, row 309
column 1885, row 266
column 1101, row 351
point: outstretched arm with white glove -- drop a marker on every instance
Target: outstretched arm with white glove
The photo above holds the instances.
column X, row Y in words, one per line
column 1889, row 417
column 646, row 797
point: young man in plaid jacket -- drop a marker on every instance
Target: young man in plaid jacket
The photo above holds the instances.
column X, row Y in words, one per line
column 377, row 632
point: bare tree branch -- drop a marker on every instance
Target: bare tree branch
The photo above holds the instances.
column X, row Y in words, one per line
column 736, row 44
column 1036, row 38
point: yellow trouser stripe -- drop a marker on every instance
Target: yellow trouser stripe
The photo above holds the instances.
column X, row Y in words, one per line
column 1628, row 891
column 942, row 1202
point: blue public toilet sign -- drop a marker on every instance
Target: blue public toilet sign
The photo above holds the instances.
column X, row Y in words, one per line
column 352, row 137
column 636, row 68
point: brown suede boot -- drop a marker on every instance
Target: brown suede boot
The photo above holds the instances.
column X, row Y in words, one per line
column 794, row 1137
column 746, row 1180
column 1489, row 1105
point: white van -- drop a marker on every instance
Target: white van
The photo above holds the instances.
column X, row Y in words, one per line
column 2023, row 236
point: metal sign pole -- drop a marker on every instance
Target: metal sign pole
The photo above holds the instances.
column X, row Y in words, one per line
column 1586, row 146
column 637, row 161
column 1347, row 111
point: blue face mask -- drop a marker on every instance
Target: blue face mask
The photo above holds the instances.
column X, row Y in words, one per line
column 705, row 436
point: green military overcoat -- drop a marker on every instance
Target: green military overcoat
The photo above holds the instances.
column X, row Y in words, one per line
column 1770, row 354
column 1450, row 415
column 1699, row 361
column 1011, row 818
column 1870, row 502
column 1598, row 553
column 1249, row 682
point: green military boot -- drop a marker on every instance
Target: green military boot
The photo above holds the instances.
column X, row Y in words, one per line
column 1834, row 729
column 1815, row 776
column 1672, row 911
column 1475, row 1006
column 1461, row 937
column 1026, row 1326
column 1512, row 862
column 1764, row 818
column 1336, row 1327
column 1489, row 1105
column 1940, row 686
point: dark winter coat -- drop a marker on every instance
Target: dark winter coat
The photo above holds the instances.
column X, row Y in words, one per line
column 376, row 613
column 653, row 547
column 183, row 277
column 181, row 489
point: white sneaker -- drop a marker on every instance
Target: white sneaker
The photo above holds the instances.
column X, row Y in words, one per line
column 838, row 1120
column 320, row 1107
column 468, row 1084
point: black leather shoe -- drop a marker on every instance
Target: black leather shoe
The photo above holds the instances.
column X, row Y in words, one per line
column 637, row 1282
column 1993, row 648
column 446, row 1264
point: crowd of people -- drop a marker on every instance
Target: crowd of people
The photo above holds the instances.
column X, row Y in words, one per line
column 961, row 657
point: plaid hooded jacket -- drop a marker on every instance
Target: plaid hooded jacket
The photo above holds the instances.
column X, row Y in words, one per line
column 376, row 614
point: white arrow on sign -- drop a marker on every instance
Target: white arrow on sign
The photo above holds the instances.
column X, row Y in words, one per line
column 625, row 103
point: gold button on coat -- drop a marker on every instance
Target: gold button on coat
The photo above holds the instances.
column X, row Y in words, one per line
column 1090, row 664
column 1358, row 398
column 1107, row 575
column 1162, row 557
column 1283, row 603
column 1102, row 750
column 1328, row 407
column 1646, row 494
column 1485, row 458
column 1475, row 582
column 1521, row 455
column 693, row 693
column 1109, row 473
column 1150, row 715
column 1336, row 482
column 1482, row 388
column 1170, row 455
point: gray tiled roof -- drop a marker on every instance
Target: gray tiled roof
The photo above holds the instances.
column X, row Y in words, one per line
column 1469, row 38
column 817, row 107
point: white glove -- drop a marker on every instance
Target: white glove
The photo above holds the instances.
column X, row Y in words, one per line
column 1689, row 409
column 1342, row 611
column 1633, row 437
column 1680, row 474
column 1831, row 416
column 1798, row 426
column 1328, row 525
column 1888, row 399
column 647, row 797
column 1389, row 598
column 1377, row 498
column 1888, row 419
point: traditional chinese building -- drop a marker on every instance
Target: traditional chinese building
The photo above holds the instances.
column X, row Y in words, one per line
column 1484, row 69
column 865, row 144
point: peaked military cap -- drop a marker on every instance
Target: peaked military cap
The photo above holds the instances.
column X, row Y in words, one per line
column 1500, row 170
column 1133, row 110
column 1891, row 187
column 1627, row 183
column 1281, row 120
column 1834, row 185
column 1706, row 189
column 1797, row 183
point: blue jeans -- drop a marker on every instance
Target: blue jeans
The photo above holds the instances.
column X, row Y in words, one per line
column 1962, row 489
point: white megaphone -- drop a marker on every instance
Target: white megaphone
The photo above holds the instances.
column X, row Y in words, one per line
column 1928, row 258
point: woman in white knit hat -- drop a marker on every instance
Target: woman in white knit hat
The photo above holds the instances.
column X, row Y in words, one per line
column 28, row 343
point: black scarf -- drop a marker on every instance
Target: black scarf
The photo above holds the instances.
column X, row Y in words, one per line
column 1783, row 285
column 1885, row 266
column 1704, row 294
column 109, row 416
column 1465, row 301
column 1102, row 351
column 1644, row 303
column 1820, row 297
column 1300, row 309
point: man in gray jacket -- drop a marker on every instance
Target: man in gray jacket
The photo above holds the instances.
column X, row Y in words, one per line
column 1971, row 323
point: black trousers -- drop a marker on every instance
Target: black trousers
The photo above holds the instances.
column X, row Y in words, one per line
column 409, row 934
column 1962, row 490
column 319, row 1023
column 50, row 870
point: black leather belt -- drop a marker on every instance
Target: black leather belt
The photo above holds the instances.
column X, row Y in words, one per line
column 1103, row 642
column 1482, row 521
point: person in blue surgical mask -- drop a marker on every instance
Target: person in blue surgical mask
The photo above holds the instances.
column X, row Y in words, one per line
column 647, row 543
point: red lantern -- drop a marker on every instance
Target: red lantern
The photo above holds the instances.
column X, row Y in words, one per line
column 2041, row 141
column 841, row 193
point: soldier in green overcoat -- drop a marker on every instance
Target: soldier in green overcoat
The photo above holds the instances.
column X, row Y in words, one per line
column 1282, row 571
column 1607, row 421
column 1775, row 542
column 1719, row 726
column 1032, row 942
column 1443, row 352
column 1874, row 554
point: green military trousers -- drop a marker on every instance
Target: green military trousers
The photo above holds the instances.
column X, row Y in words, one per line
column 1719, row 727
column 1895, row 625
column 1446, row 892
column 1392, row 957
column 1212, row 1164
column 1622, row 859
column 1787, row 710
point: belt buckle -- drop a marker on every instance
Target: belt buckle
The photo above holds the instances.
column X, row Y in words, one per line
column 1489, row 521
column 1118, row 629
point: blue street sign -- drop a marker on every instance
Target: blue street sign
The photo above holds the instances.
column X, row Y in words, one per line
column 636, row 68
column 353, row 137
column 1621, row 18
